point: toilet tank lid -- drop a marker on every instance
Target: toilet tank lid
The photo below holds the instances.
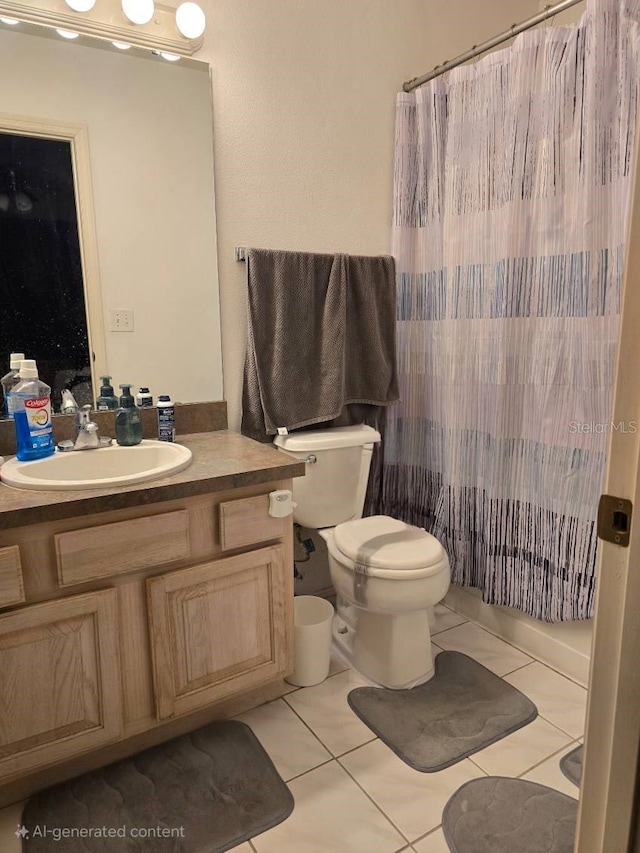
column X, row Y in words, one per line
column 307, row 441
column 386, row 543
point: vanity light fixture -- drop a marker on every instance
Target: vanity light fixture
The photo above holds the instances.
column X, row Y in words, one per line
column 143, row 24
column 138, row 11
column 10, row 21
column 170, row 57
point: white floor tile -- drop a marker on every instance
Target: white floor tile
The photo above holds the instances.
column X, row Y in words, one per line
column 290, row 744
column 433, row 843
column 10, row 819
column 558, row 700
column 445, row 618
column 413, row 801
column 242, row 848
column 325, row 710
column 482, row 646
column 331, row 814
column 518, row 752
column 549, row 773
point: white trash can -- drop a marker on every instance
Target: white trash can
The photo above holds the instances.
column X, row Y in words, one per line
column 313, row 617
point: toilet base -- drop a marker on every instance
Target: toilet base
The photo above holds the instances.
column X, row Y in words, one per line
column 391, row 650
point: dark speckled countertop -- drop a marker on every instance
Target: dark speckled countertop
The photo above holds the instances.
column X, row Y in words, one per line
column 221, row 460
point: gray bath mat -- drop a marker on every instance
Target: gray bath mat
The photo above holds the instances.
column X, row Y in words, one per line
column 203, row 792
column 571, row 765
column 462, row 709
column 499, row 815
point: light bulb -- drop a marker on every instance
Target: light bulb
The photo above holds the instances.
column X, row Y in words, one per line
column 11, row 21
column 67, row 34
column 190, row 20
column 121, row 45
column 81, row 5
column 170, row 57
column 138, row 11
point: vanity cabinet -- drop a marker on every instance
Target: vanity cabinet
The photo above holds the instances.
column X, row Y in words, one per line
column 124, row 628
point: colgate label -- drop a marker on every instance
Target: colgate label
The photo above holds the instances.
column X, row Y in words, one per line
column 38, row 412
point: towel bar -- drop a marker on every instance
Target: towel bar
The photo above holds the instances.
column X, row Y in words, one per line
column 241, row 253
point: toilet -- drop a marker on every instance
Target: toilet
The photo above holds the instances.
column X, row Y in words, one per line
column 387, row 574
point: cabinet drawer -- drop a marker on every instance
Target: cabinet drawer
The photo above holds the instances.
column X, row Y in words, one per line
column 247, row 522
column 11, row 588
column 114, row 549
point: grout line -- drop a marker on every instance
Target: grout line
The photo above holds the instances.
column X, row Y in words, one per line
column 310, row 770
column 354, row 748
column 428, row 834
column 324, row 745
column 475, row 764
column 564, row 750
column 382, row 812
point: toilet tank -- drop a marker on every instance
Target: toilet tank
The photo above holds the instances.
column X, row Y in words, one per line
column 335, row 484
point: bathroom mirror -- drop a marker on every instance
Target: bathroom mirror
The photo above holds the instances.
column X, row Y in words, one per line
column 142, row 145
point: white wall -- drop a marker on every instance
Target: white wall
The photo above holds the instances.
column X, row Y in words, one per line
column 304, row 108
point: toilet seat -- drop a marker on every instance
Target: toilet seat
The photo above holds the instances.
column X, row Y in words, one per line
column 384, row 547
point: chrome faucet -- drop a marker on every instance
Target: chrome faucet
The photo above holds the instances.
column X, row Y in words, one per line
column 87, row 437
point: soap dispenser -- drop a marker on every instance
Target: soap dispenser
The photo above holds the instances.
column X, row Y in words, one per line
column 107, row 399
column 128, row 423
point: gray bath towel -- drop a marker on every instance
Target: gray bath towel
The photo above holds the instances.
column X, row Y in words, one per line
column 321, row 337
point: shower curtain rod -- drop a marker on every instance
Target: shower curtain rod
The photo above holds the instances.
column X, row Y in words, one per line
column 478, row 49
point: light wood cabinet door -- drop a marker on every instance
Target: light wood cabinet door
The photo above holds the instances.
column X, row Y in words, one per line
column 59, row 680
column 219, row 628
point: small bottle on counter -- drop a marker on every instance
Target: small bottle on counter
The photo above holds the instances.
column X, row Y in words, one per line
column 166, row 419
column 31, row 401
column 128, row 423
column 144, row 399
column 107, row 400
column 10, row 380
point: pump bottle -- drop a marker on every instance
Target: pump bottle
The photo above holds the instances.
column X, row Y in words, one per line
column 107, row 399
column 128, row 423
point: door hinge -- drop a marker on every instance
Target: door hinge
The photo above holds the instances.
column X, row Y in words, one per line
column 614, row 519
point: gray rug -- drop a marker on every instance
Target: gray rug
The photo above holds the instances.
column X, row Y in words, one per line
column 499, row 815
column 571, row 765
column 203, row 792
column 462, row 709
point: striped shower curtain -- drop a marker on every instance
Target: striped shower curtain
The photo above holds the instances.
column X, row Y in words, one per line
column 512, row 180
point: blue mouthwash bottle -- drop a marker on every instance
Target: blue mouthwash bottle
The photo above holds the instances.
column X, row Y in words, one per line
column 31, row 401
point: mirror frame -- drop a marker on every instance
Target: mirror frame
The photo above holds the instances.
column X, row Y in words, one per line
column 78, row 137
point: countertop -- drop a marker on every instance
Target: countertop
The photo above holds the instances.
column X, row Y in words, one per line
column 221, row 460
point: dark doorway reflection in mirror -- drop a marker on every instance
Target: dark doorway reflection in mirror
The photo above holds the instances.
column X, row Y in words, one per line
column 41, row 285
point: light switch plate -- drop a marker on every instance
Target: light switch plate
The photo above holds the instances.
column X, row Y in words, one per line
column 121, row 320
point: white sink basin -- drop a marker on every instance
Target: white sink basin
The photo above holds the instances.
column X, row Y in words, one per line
column 98, row 469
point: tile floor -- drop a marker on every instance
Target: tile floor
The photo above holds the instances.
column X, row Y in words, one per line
column 353, row 795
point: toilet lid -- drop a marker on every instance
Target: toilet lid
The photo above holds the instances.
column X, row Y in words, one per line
column 381, row 542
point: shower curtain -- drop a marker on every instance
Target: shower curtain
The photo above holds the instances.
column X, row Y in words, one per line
column 512, row 180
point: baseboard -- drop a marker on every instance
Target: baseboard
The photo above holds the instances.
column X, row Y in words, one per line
column 564, row 646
